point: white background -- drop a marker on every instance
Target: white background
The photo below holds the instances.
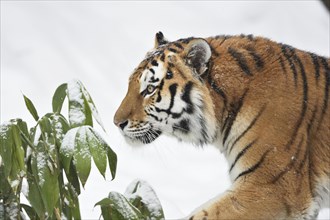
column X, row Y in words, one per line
column 46, row 43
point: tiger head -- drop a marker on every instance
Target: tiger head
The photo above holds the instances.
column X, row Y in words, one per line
column 166, row 94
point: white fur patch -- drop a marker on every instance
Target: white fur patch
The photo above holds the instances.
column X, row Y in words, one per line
column 147, row 76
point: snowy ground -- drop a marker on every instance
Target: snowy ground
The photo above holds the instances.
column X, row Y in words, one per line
column 44, row 44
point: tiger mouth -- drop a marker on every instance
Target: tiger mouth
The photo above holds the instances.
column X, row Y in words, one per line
column 145, row 137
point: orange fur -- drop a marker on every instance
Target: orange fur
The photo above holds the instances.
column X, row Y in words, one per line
column 270, row 104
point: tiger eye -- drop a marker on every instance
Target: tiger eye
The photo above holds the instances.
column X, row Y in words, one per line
column 150, row 89
column 169, row 75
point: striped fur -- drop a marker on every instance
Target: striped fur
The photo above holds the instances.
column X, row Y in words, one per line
column 264, row 104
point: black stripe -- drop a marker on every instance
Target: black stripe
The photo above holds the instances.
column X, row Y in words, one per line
column 186, row 97
column 257, row 59
column 247, row 129
column 289, row 166
column 316, row 66
column 172, row 50
column 178, row 45
column 240, row 59
column 240, row 154
column 162, row 57
column 249, row 36
column 232, row 117
column 153, row 79
column 287, row 56
column 217, row 89
column 154, row 63
column 203, row 130
column 183, row 126
column 154, row 116
column 186, row 40
column 152, row 70
column 326, row 86
column 309, row 126
column 254, row 167
column 160, row 88
column 304, row 102
column 282, row 65
column 172, row 89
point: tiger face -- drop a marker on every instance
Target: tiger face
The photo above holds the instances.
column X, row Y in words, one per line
column 166, row 94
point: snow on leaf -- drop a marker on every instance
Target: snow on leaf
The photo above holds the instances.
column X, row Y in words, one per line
column 82, row 155
column 67, row 148
column 140, row 190
column 77, row 116
column 116, row 206
column 97, row 149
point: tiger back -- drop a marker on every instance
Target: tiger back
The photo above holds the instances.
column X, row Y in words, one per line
column 265, row 105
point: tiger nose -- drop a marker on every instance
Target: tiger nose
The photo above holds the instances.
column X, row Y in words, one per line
column 121, row 124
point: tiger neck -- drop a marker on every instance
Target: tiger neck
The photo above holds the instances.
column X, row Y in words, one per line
column 227, row 102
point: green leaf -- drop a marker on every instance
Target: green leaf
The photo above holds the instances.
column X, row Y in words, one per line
column 82, row 156
column 72, row 177
column 30, row 211
column 97, row 147
column 31, row 108
column 91, row 105
column 34, row 194
column 59, row 97
column 112, row 159
column 67, row 148
column 47, row 177
column 75, row 202
column 60, row 127
column 48, row 137
column 6, row 147
column 142, row 196
column 19, row 151
column 116, row 206
column 78, row 113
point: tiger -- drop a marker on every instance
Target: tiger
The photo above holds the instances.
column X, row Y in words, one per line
column 263, row 104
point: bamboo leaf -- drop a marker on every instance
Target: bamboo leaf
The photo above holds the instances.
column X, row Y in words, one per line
column 77, row 106
column 60, row 127
column 31, row 108
column 34, row 194
column 19, row 151
column 67, row 148
column 82, row 156
column 30, row 211
column 116, row 206
column 141, row 195
column 47, row 178
column 112, row 159
column 97, row 148
column 59, row 97
column 6, row 148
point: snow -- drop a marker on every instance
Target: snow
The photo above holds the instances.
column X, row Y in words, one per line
column 58, row 128
column 68, row 143
column 81, row 137
column 25, row 187
column 75, row 95
column 101, row 42
column 41, row 165
column 140, row 188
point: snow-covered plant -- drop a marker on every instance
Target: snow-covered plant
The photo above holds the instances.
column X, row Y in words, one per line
column 139, row 202
column 48, row 162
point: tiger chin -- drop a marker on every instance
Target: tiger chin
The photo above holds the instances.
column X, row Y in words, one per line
column 265, row 105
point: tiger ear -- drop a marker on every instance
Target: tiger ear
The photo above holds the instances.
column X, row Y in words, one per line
column 160, row 39
column 197, row 55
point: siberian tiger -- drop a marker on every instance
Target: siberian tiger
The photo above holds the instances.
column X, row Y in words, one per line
column 265, row 105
